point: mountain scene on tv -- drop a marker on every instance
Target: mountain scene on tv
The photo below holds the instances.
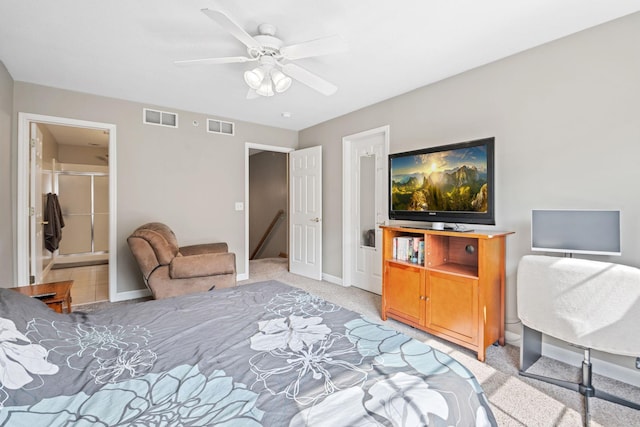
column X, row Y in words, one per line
column 454, row 180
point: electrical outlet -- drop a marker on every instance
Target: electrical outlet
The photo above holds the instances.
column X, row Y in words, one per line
column 637, row 362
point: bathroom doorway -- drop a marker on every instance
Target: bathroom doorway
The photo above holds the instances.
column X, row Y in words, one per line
column 74, row 166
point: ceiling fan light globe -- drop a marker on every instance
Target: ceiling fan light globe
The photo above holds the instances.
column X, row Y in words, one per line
column 281, row 81
column 265, row 89
column 254, row 78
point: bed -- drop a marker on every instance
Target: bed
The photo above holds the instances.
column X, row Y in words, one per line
column 264, row 354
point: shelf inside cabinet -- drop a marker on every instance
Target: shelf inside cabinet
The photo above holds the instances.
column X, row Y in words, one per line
column 405, row 263
column 455, row 254
column 465, row 270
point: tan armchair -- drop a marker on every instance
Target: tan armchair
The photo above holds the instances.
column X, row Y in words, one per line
column 169, row 270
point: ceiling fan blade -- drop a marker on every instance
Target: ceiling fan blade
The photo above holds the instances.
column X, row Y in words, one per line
column 308, row 78
column 211, row 61
column 226, row 22
column 323, row 46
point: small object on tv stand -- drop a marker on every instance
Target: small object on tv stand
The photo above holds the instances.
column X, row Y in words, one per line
column 440, row 226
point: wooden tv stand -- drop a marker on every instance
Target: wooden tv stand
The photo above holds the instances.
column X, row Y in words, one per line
column 455, row 293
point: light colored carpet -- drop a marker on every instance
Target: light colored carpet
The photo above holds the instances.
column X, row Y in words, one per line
column 515, row 400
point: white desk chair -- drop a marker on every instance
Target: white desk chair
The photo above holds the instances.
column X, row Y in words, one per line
column 589, row 304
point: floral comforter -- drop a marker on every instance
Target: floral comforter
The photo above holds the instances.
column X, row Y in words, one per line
column 264, row 354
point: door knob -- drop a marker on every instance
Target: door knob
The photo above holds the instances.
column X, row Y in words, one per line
column 315, row 219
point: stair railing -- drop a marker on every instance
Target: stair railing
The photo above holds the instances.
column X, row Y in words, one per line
column 267, row 233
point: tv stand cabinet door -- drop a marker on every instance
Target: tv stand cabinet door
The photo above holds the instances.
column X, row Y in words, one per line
column 403, row 292
column 452, row 306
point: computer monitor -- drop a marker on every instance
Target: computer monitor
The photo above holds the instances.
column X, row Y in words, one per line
column 595, row 232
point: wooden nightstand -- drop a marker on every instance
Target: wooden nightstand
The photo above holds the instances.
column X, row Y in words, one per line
column 60, row 294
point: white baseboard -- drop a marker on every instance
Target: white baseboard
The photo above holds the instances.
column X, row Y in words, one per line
column 242, row 276
column 124, row 296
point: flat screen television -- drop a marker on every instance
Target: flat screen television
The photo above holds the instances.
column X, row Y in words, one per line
column 446, row 184
column 595, row 232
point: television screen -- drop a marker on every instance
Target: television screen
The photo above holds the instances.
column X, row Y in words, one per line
column 594, row 232
column 446, row 184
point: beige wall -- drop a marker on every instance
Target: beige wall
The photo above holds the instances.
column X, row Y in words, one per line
column 185, row 177
column 6, row 187
column 567, row 125
column 267, row 195
column 82, row 155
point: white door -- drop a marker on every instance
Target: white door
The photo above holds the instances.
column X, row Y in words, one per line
column 368, row 211
column 305, row 192
column 36, row 196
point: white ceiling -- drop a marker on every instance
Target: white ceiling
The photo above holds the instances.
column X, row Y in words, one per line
column 125, row 49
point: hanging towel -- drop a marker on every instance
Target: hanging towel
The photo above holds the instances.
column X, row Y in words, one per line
column 53, row 223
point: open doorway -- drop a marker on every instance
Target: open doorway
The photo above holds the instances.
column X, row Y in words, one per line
column 73, row 165
column 79, row 170
column 267, row 197
column 268, row 205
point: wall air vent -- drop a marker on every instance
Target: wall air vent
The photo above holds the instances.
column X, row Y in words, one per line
column 160, row 118
column 218, row 126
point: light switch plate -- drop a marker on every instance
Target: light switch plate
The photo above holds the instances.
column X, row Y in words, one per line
column 239, row 206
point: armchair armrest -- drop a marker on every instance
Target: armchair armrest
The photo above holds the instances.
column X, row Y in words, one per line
column 202, row 265
column 206, row 248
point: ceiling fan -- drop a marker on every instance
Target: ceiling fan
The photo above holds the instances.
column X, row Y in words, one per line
column 274, row 72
